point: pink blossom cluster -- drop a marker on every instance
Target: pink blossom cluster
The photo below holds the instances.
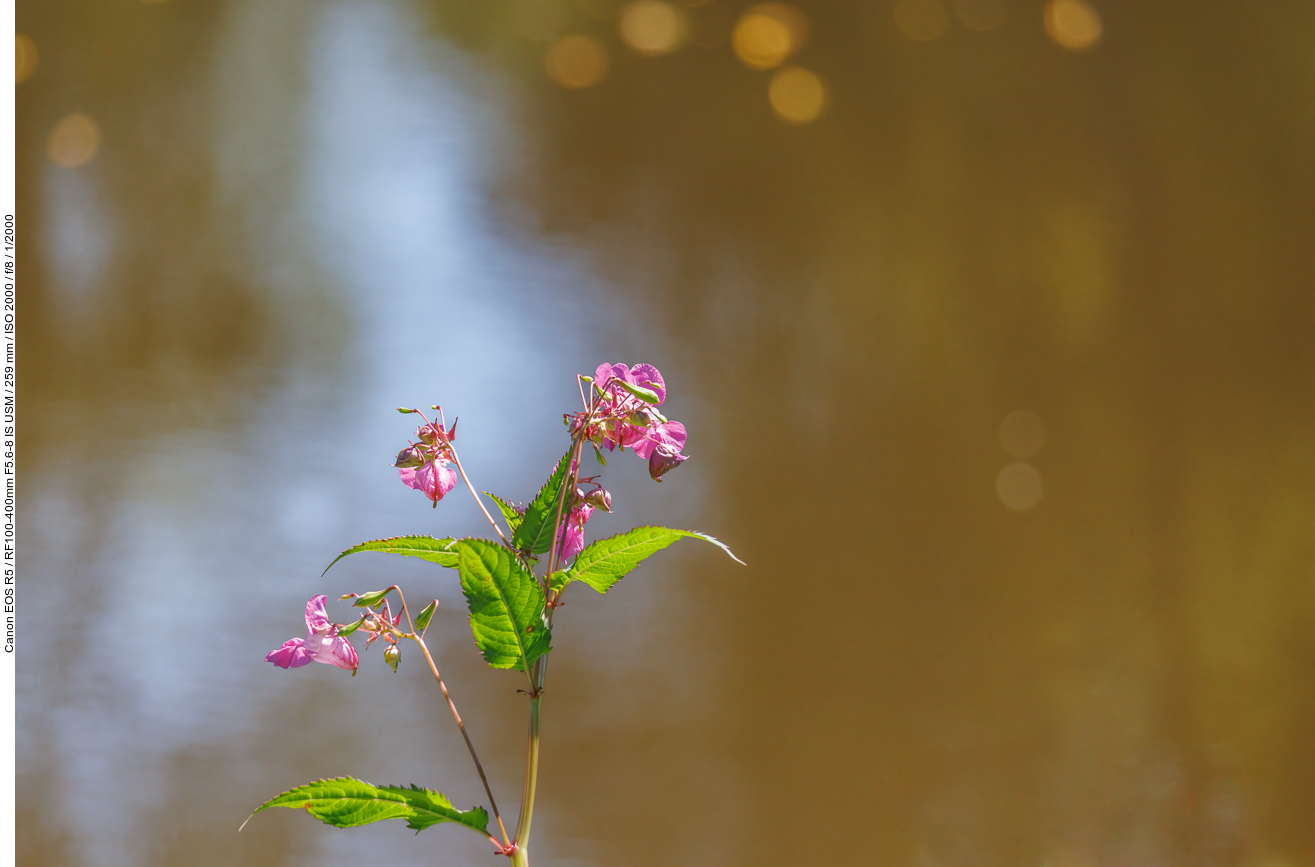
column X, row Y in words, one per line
column 622, row 417
column 423, row 465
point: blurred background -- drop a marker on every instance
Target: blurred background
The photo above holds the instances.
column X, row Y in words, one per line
column 991, row 321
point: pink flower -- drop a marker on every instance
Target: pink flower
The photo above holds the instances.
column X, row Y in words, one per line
column 571, row 537
column 321, row 644
column 631, row 422
column 432, row 478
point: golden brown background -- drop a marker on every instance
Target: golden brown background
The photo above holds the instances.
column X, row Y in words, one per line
column 1079, row 636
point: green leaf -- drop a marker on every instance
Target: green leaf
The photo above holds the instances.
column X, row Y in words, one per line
column 422, row 619
column 506, row 605
column 440, row 551
column 605, row 562
column 510, row 512
column 534, row 534
column 345, row 802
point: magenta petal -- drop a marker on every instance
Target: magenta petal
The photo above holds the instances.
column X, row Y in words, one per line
column 293, row 654
column 408, row 475
column 572, row 541
column 572, row 535
column 647, row 376
column 670, row 433
column 317, row 622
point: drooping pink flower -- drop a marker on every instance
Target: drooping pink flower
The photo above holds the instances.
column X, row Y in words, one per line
column 663, row 460
column 321, row 644
column 571, row 536
column 434, row 479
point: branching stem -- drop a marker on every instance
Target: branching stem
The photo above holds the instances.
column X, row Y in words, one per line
column 506, row 844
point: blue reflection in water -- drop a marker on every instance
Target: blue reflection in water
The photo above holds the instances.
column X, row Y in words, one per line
column 205, row 556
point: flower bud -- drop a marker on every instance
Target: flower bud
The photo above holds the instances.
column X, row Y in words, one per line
column 664, row 459
column 599, row 498
column 392, row 656
column 639, row 418
column 409, row 457
column 426, row 434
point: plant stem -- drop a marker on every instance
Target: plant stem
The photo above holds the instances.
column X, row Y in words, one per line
column 539, row 674
column 470, row 746
column 521, row 857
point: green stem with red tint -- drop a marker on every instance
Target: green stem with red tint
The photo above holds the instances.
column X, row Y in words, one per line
column 539, row 673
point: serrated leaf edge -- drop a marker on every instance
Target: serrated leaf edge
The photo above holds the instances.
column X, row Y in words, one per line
column 413, row 787
column 559, row 468
column 361, row 549
column 568, row 575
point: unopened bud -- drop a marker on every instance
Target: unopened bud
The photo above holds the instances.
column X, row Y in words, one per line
column 639, row 418
column 392, row 656
column 664, row 459
column 599, row 498
column 409, row 457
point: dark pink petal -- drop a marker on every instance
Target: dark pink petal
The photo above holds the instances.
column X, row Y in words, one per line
column 664, row 460
column 434, row 480
column 293, row 654
column 442, row 479
column 317, row 622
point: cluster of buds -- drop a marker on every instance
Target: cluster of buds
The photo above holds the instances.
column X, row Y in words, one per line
column 382, row 624
column 423, row 464
column 570, row 539
column 624, row 412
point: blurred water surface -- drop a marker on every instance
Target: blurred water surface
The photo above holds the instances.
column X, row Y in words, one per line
column 991, row 325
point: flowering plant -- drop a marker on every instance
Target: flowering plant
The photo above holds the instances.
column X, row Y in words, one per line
column 511, row 604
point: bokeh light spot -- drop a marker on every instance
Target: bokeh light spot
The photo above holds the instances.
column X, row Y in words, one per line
column 1019, row 486
column 1073, row 24
column 73, row 141
column 652, row 27
column 981, row 15
column 25, row 58
column 1023, row 434
column 767, row 34
column 797, row 95
column 921, row 20
column 576, row 61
